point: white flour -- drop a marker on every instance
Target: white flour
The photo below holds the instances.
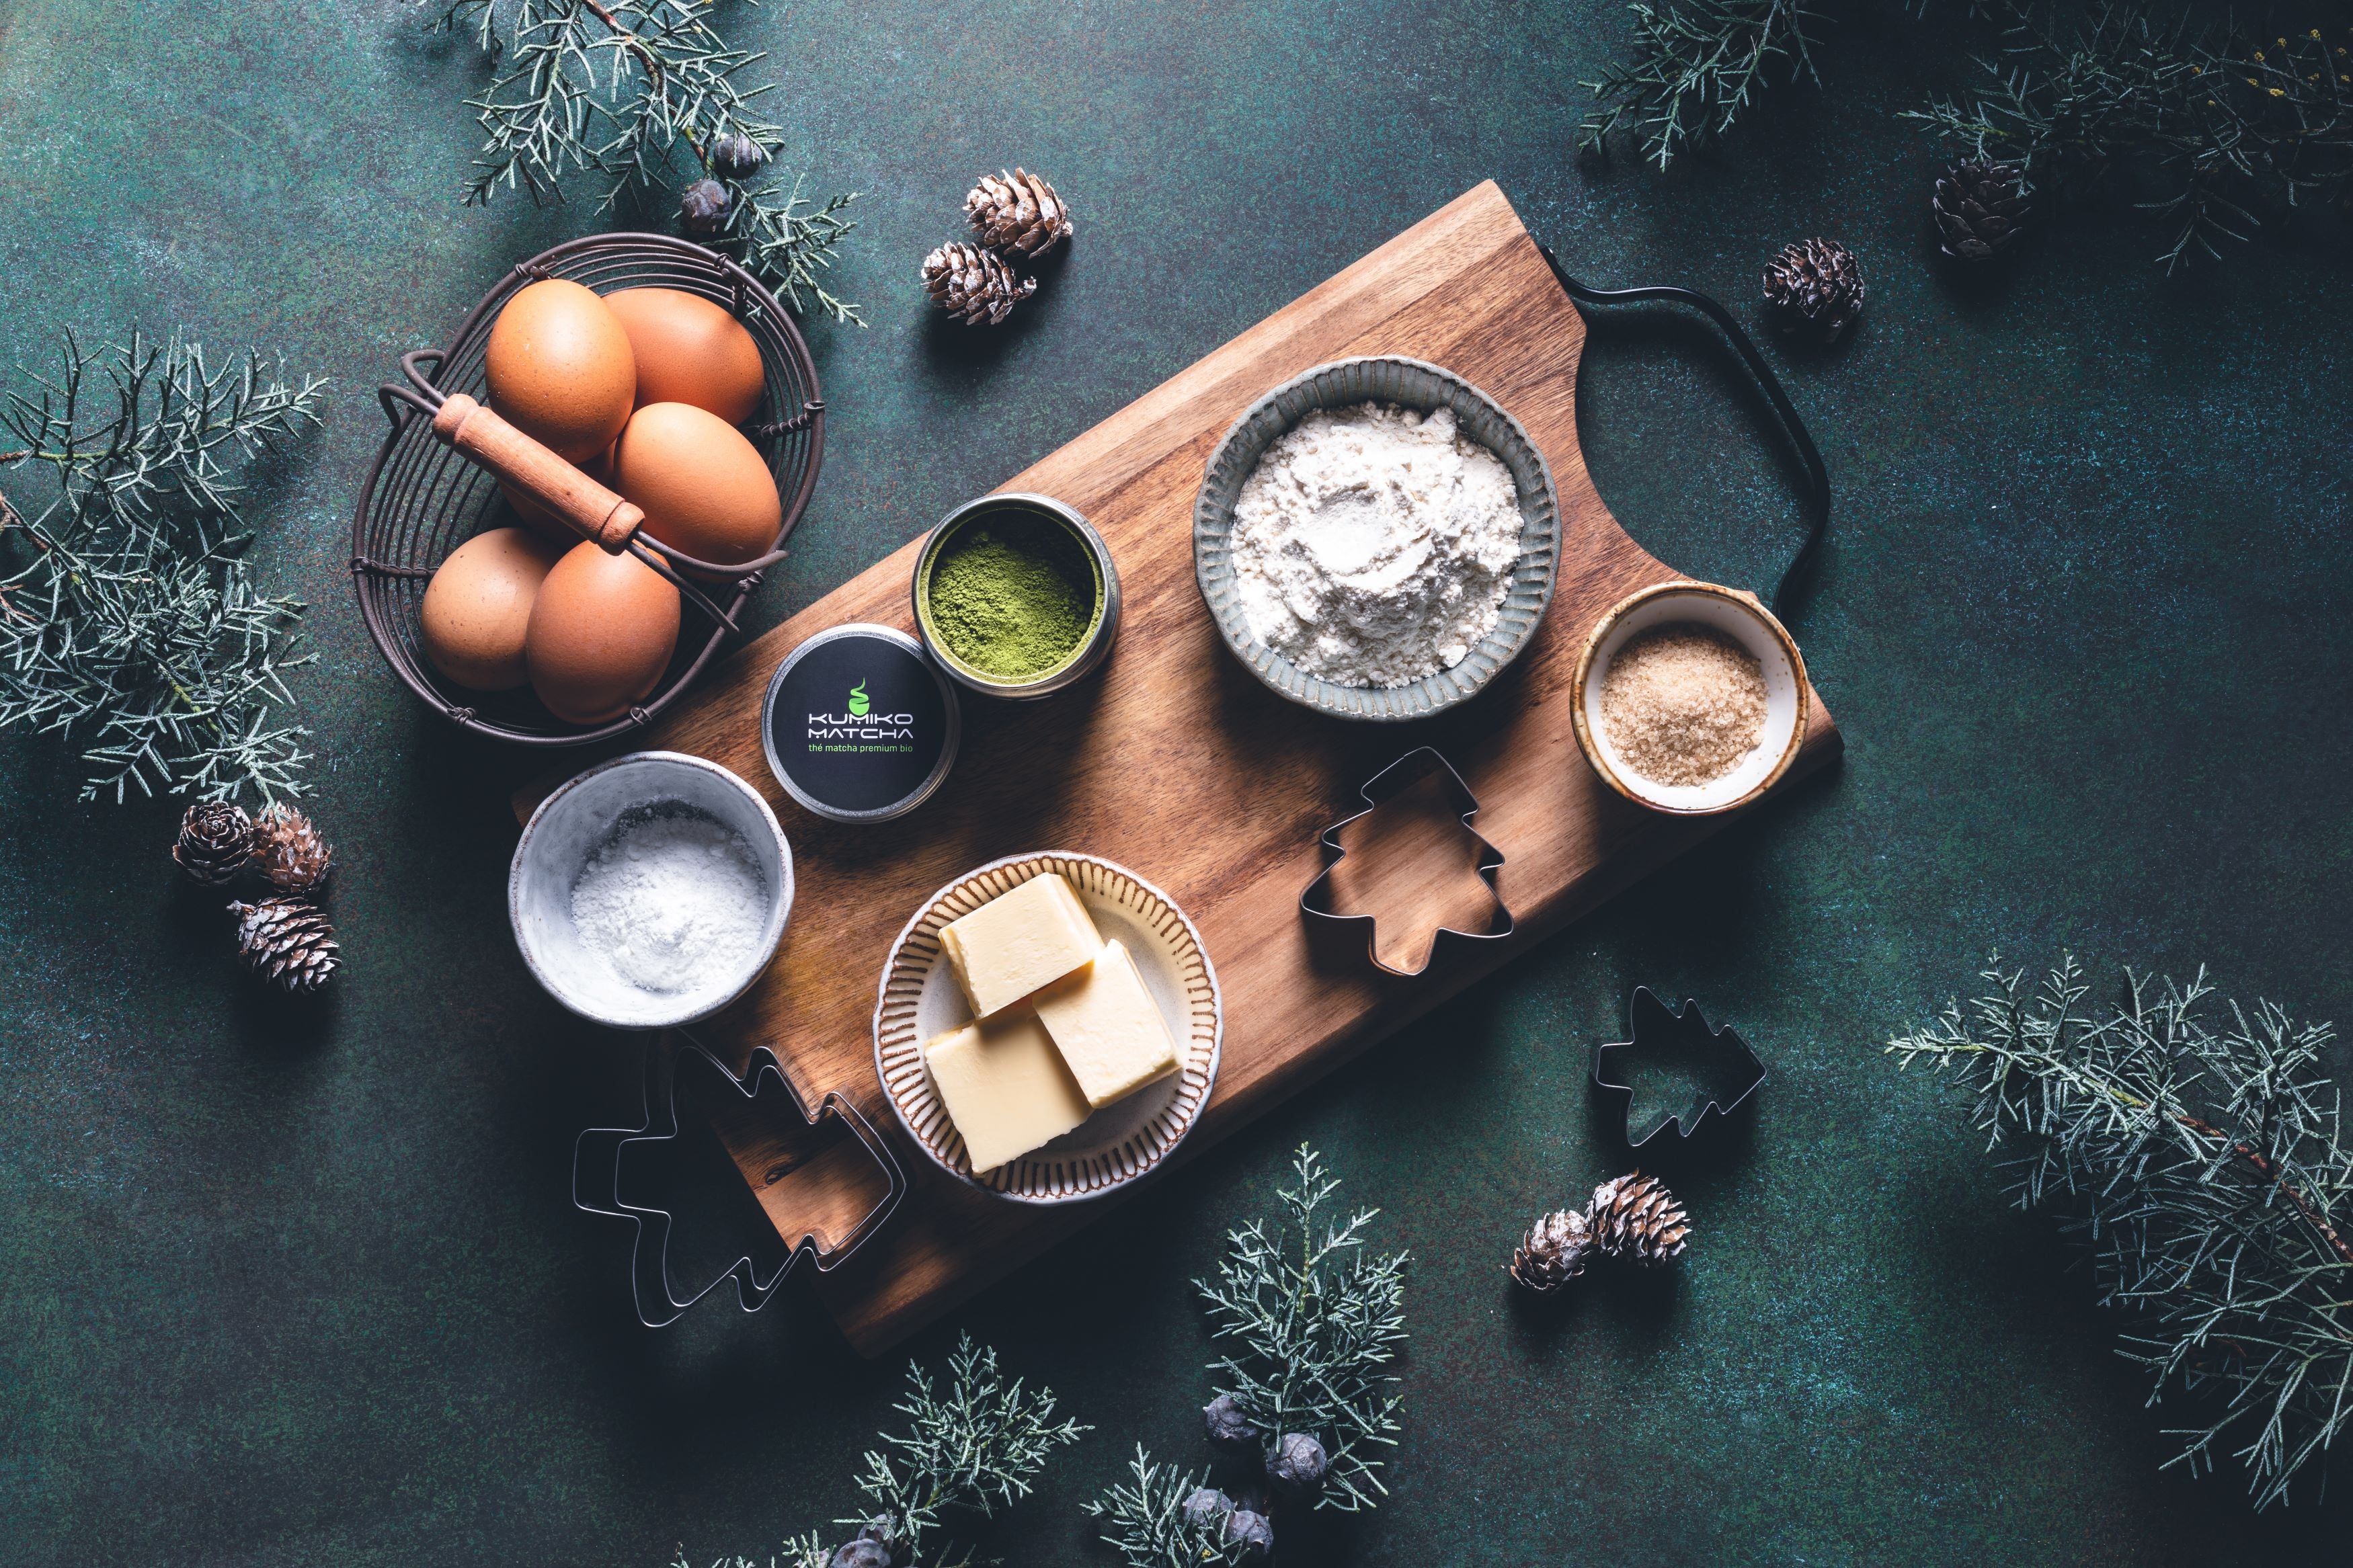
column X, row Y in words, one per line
column 1373, row 545
column 673, row 903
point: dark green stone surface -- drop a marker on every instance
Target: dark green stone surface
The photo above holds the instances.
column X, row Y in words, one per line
column 295, row 1292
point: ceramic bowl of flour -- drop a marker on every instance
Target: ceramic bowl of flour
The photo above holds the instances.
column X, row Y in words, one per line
column 1370, row 628
column 650, row 890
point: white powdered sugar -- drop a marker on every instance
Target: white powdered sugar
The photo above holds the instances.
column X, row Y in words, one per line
column 1373, row 545
column 675, row 903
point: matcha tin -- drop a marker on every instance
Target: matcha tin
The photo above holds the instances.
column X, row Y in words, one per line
column 1016, row 595
column 859, row 724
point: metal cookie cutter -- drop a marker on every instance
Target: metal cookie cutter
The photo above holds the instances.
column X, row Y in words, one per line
column 600, row 1155
column 1648, row 1021
column 1422, row 763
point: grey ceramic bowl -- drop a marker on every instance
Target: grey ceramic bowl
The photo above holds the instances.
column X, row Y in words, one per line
column 1411, row 383
column 572, row 822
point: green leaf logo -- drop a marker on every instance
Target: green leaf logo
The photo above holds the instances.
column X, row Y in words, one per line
column 858, row 700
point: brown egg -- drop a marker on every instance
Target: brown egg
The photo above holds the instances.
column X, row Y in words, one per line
column 545, row 522
column 601, row 634
column 561, row 369
column 690, row 350
column 478, row 606
column 705, row 489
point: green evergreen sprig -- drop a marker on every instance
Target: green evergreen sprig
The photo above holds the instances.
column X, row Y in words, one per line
column 976, row 1445
column 606, row 90
column 2214, row 126
column 2205, row 1172
column 1694, row 68
column 1314, row 1322
column 127, row 620
column 2204, row 128
column 1145, row 1522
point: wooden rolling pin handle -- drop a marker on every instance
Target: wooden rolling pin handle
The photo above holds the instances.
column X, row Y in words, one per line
column 586, row 507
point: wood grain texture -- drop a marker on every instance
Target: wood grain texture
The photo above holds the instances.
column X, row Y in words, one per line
column 817, row 1183
column 1412, row 867
column 1175, row 763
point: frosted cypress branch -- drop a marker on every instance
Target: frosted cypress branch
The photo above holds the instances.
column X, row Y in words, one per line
column 2209, row 127
column 2205, row 1172
column 1314, row 1324
column 1144, row 1522
column 1694, row 68
column 127, row 620
column 607, row 91
column 975, row 1446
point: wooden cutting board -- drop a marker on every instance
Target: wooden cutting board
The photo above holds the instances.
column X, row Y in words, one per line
column 1175, row 763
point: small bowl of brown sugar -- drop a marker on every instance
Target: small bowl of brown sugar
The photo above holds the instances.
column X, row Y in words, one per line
column 1692, row 699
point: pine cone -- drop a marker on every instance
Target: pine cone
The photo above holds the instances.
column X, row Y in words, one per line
column 1250, row 1535
column 286, row 941
column 1205, row 1509
column 1228, row 1429
column 702, row 208
column 1816, row 285
column 289, row 851
column 1980, row 207
column 973, row 284
column 736, row 156
column 1017, row 213
column 216, row 842
column 1635, row 1218
column 1554, row 1252
column 1299, row 1464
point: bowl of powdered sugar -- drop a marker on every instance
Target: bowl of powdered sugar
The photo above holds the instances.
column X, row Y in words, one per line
column 650, row 890
column 1376, row 538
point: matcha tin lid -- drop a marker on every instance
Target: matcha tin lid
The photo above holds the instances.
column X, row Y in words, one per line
column 859, row 724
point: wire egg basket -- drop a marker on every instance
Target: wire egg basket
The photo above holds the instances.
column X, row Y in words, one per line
column 421, row 499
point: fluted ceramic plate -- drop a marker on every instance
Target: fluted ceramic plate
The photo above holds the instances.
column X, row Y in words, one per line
column 920, row 999
column 1411, row 383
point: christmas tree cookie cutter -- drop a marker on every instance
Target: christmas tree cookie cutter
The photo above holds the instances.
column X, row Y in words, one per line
column 601, row 1157
column 1649, row 1020
column 1421, row 764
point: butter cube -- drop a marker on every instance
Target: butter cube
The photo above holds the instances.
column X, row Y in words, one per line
column 1005, row 1086
column 1108, row 1028
column 1013, row 944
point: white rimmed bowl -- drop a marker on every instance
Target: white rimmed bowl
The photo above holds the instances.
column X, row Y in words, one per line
column 920, row 999
column 579, row 817
column 1737, row 616
column 1410, row 384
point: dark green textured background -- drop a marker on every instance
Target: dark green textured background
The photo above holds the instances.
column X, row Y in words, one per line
column 294, row 1295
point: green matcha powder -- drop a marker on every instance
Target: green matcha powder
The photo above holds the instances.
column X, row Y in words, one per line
column 1012, row 596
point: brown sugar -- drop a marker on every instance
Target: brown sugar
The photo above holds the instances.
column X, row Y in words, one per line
column 1683, row 704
